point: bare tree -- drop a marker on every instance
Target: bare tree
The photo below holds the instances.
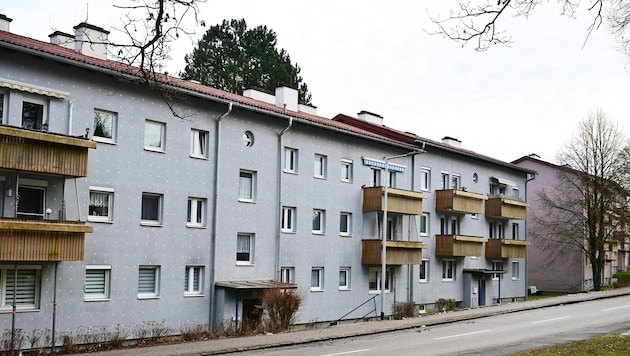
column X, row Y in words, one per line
column 588, row 202
column 479, row 21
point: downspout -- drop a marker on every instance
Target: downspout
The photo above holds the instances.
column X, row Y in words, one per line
column 70, row 106
column 215, row 213
column 279, row 197
column 54, row 316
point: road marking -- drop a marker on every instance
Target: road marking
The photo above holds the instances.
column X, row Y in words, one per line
column 348, row 352
column 609, row 309
column 467, row 334
column 548, row 320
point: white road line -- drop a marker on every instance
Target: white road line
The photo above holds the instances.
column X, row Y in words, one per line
column 467, row 334
column 348, row 352
column 609, row 309
column 548, row 320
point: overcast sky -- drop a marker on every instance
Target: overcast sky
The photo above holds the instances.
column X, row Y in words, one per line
column 377, row 56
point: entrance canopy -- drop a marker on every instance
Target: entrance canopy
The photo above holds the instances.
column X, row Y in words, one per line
column 255, row 284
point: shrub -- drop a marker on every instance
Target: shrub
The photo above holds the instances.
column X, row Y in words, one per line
column 623, row 279
column 282, row 305
column 404, row 310
column 445, row 305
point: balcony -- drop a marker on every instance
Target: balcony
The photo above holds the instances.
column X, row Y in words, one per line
column 458, row 245
column 42, row 152
column 499, row 248
column 42, row 240
column 459, row 201
column 506, row 208
column 398, row 252
column 398, row 200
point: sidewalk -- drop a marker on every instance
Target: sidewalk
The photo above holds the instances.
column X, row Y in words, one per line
column 250, row 343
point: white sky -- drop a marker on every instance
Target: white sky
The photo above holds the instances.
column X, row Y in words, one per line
column 377, row 56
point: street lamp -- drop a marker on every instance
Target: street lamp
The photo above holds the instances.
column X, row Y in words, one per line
column 384, row 232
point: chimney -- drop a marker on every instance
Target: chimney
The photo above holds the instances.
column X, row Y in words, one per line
column 370, row 117
column 90, row 40
column 287, row 98
column 451, row 141
column 62, row 39
column 5, row 23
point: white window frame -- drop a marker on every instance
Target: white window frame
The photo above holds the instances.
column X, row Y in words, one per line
column 287, row 275
column 247, row 186
column 160, row 201
column 193, row 275
column 515, row 231
column 515, row 270
column 196, row 212
column 288, row 219
column 448, row 270
column 423, row 224
column 425, row 179
column 103, row 293
column 150, row 125
column 320, row 168
column 34, row 99
column 156, row 282
column 445, row 177
column 319, row 222
column 245, row 245
column 374, row 280
column 199, row 143
column 105, row 115
column 516, row 193
column 346, row 170
column 497, row 266
column 317, row 279
column 347, row 217
column 6, row 297
column 424, row 267
column 392, row 179
column 290, row 160
column 109, row 192
column 345, row 278
column 456, row 181
column 376, row 177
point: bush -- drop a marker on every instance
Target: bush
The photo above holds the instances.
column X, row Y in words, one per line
column 445, row 305
column 404, row 310
column 623, row 279
column 281, row 305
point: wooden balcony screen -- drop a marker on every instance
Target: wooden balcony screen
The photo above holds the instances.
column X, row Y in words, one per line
column 458, row 246
column 398, row 252
column 499, row 248
column 506, row 208
column 34, row 151
column 398, row 200
column 459, row 201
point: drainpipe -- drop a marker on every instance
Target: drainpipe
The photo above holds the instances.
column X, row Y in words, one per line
column 54, row 316
column 14, row 306
column 215, row 213
column 70, row 106
column 279, row 197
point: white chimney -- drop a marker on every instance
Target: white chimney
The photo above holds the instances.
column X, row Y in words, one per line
column 62, row 39
column 370, row 117
column 5, row 23
column 307, row 108
column 259, row 95
column 287, row 98
column 90, row 40
column 451, row 141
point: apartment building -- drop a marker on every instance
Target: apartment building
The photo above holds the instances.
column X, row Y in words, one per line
column 115, row 212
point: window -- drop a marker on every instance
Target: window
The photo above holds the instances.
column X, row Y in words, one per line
column 151, row 209
column 491, row 229
column 515, row 192
column 104, row 126
column 454, row 229
column 448, row 270
column 287, row 274
column 317, row 279
column 515, row 231
column 97, row 282
column 391, row 180
column 31, row 202
column 27, row 291
column 424, row 224
column 2, row 105
column 193, row 280
column 497, row 266
column 445, row 183
column 148, row 282
column 346, row 170
column 196, row 215
column 33, row 114
column 425, row 179
column 515, row 270
column 376, row 178
column 374, row 279
column 101, row 205
column 245, row 249
column 496, row 230
column 455, row 181
column 247, row 186
column 319, row 166
column 290, row 160
column 424, row 271
column 319, row 220
column 248, row 138
column 344, row 278
column 154, row 135
column 345, row 224
column 198, row 143
column 288, row 219
column 500, row 230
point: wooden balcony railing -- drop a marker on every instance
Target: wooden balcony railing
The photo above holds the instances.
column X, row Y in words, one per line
column 42, row 152
column 499, row 248
column 457, row 245
column 398, row 200
column 397, row 253
column 459, row 201
column 42, row 240
column 506, row 208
